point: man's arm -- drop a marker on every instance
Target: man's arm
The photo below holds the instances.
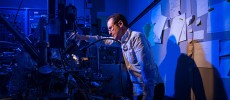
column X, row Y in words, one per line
column 82, row 37
column 145, row 58
column 91, row 39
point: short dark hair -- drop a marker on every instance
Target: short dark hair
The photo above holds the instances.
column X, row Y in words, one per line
column 117, row 17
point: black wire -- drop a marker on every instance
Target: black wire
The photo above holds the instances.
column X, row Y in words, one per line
column 121, row 73
column 18, row 11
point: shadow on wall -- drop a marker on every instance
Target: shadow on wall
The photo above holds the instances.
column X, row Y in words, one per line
column 196, row 82
column 168, row 66
column 184, row 80
column 188, row 79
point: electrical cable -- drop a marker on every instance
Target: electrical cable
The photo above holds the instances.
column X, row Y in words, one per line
column 89, row 89
column 82, row 82
column 122, row 88
column 18, row 11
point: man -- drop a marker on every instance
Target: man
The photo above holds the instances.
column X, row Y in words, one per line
column 138, row 56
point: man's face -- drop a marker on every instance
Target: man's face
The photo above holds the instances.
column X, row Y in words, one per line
column 114, row 29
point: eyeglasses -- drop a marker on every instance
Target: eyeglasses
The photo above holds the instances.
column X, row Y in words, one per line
column 111, row 28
